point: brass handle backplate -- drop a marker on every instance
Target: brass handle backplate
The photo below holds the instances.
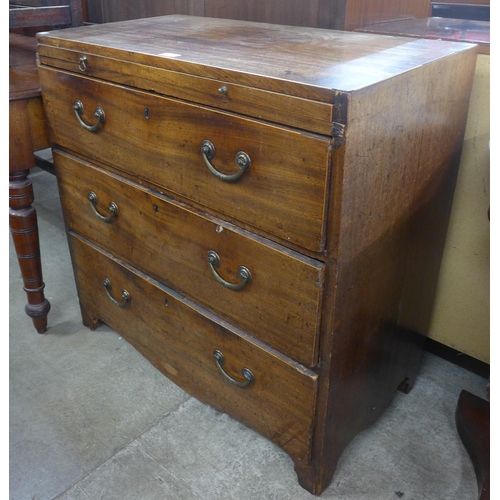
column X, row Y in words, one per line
column 247, row 374
column 243, row 272
column 98, row 113
column 125, row 295
column 113, row 208
column 242, row 161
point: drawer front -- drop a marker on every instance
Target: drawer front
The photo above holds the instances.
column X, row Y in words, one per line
column 180, row 340
column 280, row 303
column 159, row 140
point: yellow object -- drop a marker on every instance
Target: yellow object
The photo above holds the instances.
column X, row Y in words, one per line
column 461, row 316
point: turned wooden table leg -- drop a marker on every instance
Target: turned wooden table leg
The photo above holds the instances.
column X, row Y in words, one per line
column 24, row 229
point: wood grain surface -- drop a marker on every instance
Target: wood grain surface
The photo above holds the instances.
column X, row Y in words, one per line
column 366, row 205
column 179, row 338
column 284, row 191
column 305, row 62
column 281, row 305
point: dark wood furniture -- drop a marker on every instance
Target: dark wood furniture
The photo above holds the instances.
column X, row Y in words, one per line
column 50, row 13
column 28, row 133
column 260, row 210
column 473, row 425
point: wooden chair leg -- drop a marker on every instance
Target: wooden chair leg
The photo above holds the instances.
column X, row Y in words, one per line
column 24, row 230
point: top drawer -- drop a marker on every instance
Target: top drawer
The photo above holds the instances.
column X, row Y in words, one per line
column 308, row 114
column 159, row 140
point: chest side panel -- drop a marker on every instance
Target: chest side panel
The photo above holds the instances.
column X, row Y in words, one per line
column 395, row 175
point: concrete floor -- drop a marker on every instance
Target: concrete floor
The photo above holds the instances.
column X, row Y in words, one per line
column 91, row 419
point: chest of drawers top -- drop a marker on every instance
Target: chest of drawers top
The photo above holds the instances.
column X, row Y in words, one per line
column 286, row 74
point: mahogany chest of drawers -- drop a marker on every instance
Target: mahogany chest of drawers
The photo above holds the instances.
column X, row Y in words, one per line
column 260, row 210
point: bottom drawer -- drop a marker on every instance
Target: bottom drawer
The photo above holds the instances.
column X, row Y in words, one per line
column 255, row 385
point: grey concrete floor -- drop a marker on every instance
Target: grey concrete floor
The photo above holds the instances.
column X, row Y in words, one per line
column 90, row 418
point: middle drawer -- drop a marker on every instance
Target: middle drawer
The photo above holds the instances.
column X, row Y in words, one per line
column 276, row 297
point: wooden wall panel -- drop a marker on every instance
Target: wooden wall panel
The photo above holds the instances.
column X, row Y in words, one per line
column 315, row 13
column 333, row 14
column 360, row 13
column 290, row 12
column 105, row 11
